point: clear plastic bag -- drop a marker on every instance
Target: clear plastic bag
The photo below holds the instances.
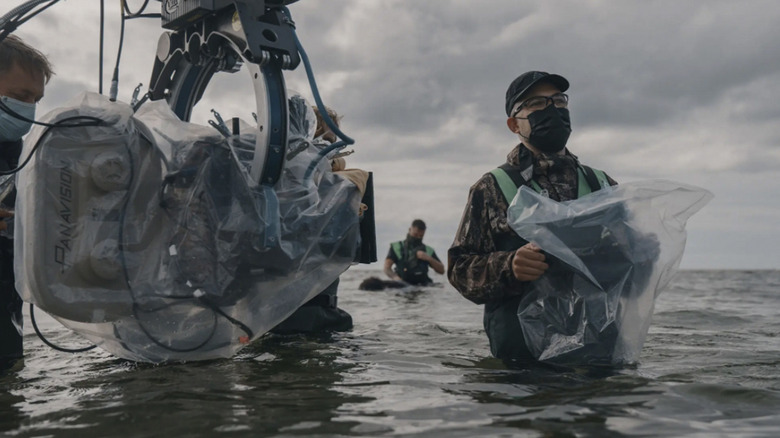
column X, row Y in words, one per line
column 147, row 235
column 610, row 254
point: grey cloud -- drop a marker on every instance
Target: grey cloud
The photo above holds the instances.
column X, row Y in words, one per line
column 653, row 84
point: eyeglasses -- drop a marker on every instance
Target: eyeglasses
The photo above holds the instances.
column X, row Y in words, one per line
column 536, row 103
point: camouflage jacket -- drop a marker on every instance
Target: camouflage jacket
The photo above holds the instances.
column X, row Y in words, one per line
column 480, row 264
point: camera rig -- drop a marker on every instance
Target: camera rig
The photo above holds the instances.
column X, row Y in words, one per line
column 169, row 223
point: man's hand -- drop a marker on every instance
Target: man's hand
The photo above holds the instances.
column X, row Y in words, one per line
column 435, row 264
column 528, row 263
column 389, row 270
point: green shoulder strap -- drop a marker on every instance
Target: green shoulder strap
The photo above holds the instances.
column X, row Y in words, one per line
column 590, row 180
column 397, row 249
column 507, row 185
column 429, row 250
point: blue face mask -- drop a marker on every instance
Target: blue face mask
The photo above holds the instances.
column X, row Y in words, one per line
column 11, row 128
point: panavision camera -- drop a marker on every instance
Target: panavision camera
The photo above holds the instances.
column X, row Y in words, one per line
column 147, row 234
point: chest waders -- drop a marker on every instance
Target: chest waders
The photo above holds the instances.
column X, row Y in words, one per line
column 10, row 301
column 407, row 266
column 501, row 322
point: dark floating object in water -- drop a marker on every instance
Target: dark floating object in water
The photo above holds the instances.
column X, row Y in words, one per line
column 374, row 283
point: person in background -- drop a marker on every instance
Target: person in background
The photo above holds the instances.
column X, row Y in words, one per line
column 488, row 262
column 412, row 258
column 323, row 132
column 24, row 71
column 321, row 314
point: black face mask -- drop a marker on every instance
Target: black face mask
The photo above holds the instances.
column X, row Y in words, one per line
column 413, row 242
column 550, row 129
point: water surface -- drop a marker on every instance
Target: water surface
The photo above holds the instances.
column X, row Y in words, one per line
column 418, row 364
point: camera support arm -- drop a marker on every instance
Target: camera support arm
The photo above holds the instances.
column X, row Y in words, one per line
column 209, row 36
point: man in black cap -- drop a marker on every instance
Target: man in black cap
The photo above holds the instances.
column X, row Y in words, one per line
column 488, row 262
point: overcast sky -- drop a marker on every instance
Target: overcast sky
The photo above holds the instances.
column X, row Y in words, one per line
column 681, row 90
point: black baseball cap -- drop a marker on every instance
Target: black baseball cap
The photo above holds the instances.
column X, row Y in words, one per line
column 525, row 81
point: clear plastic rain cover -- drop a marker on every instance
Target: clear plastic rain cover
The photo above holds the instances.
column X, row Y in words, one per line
column 610, row 254
column 147, row 236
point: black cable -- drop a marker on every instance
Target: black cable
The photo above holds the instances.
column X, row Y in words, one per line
column 115, row 79
column 20, row 15
column 93, row 121
column 129, row 17
column 21, row 18
column 140, row 10
column 126, row 15
column 49, row 343
column 168, row 347
column 102, row 37
column 59, row 124
column 126, row 274
column 235, row 322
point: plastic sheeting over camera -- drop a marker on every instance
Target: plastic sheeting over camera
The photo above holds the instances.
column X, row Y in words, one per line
column 610, row 254
column 146, row 235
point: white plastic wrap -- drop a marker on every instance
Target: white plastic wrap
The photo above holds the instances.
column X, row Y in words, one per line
column 147, row 236
column 610, row 254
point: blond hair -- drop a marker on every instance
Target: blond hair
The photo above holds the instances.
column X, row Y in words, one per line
column 321, row 126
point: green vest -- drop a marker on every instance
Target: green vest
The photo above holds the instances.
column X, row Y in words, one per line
column 398, row 248
column 584, row 185
column 408, row 267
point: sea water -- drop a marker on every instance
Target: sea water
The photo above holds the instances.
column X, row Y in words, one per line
column 417, row 363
